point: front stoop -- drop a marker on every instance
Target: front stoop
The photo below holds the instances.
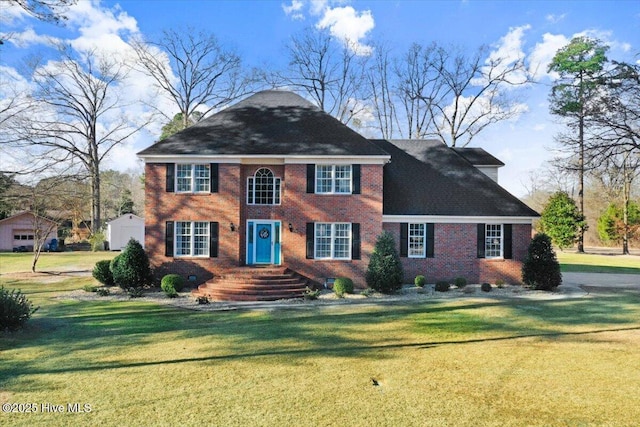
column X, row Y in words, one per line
column 254, row 284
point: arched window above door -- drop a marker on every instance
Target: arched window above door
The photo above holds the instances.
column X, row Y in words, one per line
column 263, row 188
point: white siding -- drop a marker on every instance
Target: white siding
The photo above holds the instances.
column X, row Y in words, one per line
column 124, row 228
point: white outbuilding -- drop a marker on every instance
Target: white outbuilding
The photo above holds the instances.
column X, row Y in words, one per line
column 120, row 230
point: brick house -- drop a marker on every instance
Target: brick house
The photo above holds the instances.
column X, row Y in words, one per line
column 273, row 180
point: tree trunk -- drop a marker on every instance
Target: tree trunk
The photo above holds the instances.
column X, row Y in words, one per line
column 626, row 193
column 581, row 182
column 96, row 220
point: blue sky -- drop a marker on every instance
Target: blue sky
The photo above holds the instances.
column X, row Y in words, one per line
column 259, row 29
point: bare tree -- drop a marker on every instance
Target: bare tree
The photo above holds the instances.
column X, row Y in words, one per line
column 452, row 96
column 379, row 79
column 78, row 116
column 45, row 10
column 194, row 70
column 331, row 74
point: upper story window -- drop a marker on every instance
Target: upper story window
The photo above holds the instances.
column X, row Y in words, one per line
column 493, row 241
column 193, row 178
column 263, row 188
column 416, row 241
column 333, row 179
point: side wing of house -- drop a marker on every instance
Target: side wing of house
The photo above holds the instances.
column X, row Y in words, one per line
column 449, row 218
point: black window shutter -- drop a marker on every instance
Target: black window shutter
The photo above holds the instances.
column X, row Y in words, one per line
column 213, row 239
column 481, row 240
column 355, row 170
column 355, row 240
column 213, row 176
column 168, row 239
column 508, row 241
column 430, row 240
column 171, row 168
column 311, row 179
column 404, row 239
column 310, row 239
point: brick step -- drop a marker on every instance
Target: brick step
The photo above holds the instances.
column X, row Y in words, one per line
column 254, row 284
column 257, row 287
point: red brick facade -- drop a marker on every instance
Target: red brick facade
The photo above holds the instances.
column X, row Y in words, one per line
column 229, row 205
column 456, row 255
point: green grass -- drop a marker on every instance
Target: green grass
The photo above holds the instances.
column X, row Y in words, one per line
column 468, row 362
column 596, row 263
column 54, row 261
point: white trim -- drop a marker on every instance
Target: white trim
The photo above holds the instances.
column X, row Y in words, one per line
column 438, row 219
column 265, row 159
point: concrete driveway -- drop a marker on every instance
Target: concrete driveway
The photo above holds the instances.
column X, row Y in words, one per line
column 602, row 280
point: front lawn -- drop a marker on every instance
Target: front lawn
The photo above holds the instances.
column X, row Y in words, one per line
column 52, row 261
column 571, row 261
column 466, row 362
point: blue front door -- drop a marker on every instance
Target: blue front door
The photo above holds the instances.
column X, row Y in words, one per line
column 264, row 243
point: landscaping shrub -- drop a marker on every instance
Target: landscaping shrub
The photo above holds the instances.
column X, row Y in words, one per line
column 202, row 299
column 102, row 272
column 103, row 292
column 311, row 294
column 136, row 292
column 486, row 287
column 541, row 269
column 15, row 309
column 442, row 286
column 500, row 283
column 173, row 281
column 131, row 267
column 384, row 273
column 420, row 281
column 460, row 282
column 89, row 288
column 343, row 285
column 97, row 241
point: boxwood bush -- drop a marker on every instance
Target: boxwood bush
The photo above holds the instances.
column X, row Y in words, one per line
column 486, row 287
column 15, row 309
column 420, row 280
column 343, row 285
column 442, row 286
column 131, row 268
column 102, row 272
column 172, row 281
column 460, row 282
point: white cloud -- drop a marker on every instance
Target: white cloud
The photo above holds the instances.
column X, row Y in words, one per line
column 543, row 53
column 29, row 38
column 294, row 10
column 344, row 23
column 507, row 52
column 554, row 19
column 348, row 26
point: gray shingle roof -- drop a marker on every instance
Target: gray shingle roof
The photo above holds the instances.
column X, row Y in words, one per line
column 425, row 177
column 267, row 123
column 477, row 156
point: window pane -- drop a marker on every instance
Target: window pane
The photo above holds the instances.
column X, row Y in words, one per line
column 493, row 241
column 416, row 240
column 263, row 188
column 343, row 179
column 201, row 180
column 183, row 178
column 324, row 178
column 342, row 241
column 201, row 238
column 323, row 241
column 183, row 238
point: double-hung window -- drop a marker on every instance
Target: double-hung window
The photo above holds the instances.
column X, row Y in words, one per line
column 191, row 238
column 332, row 241
column 263, row 188
column 417, row 239
column 493, row 241
column 192, row 178
column 333, row 179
